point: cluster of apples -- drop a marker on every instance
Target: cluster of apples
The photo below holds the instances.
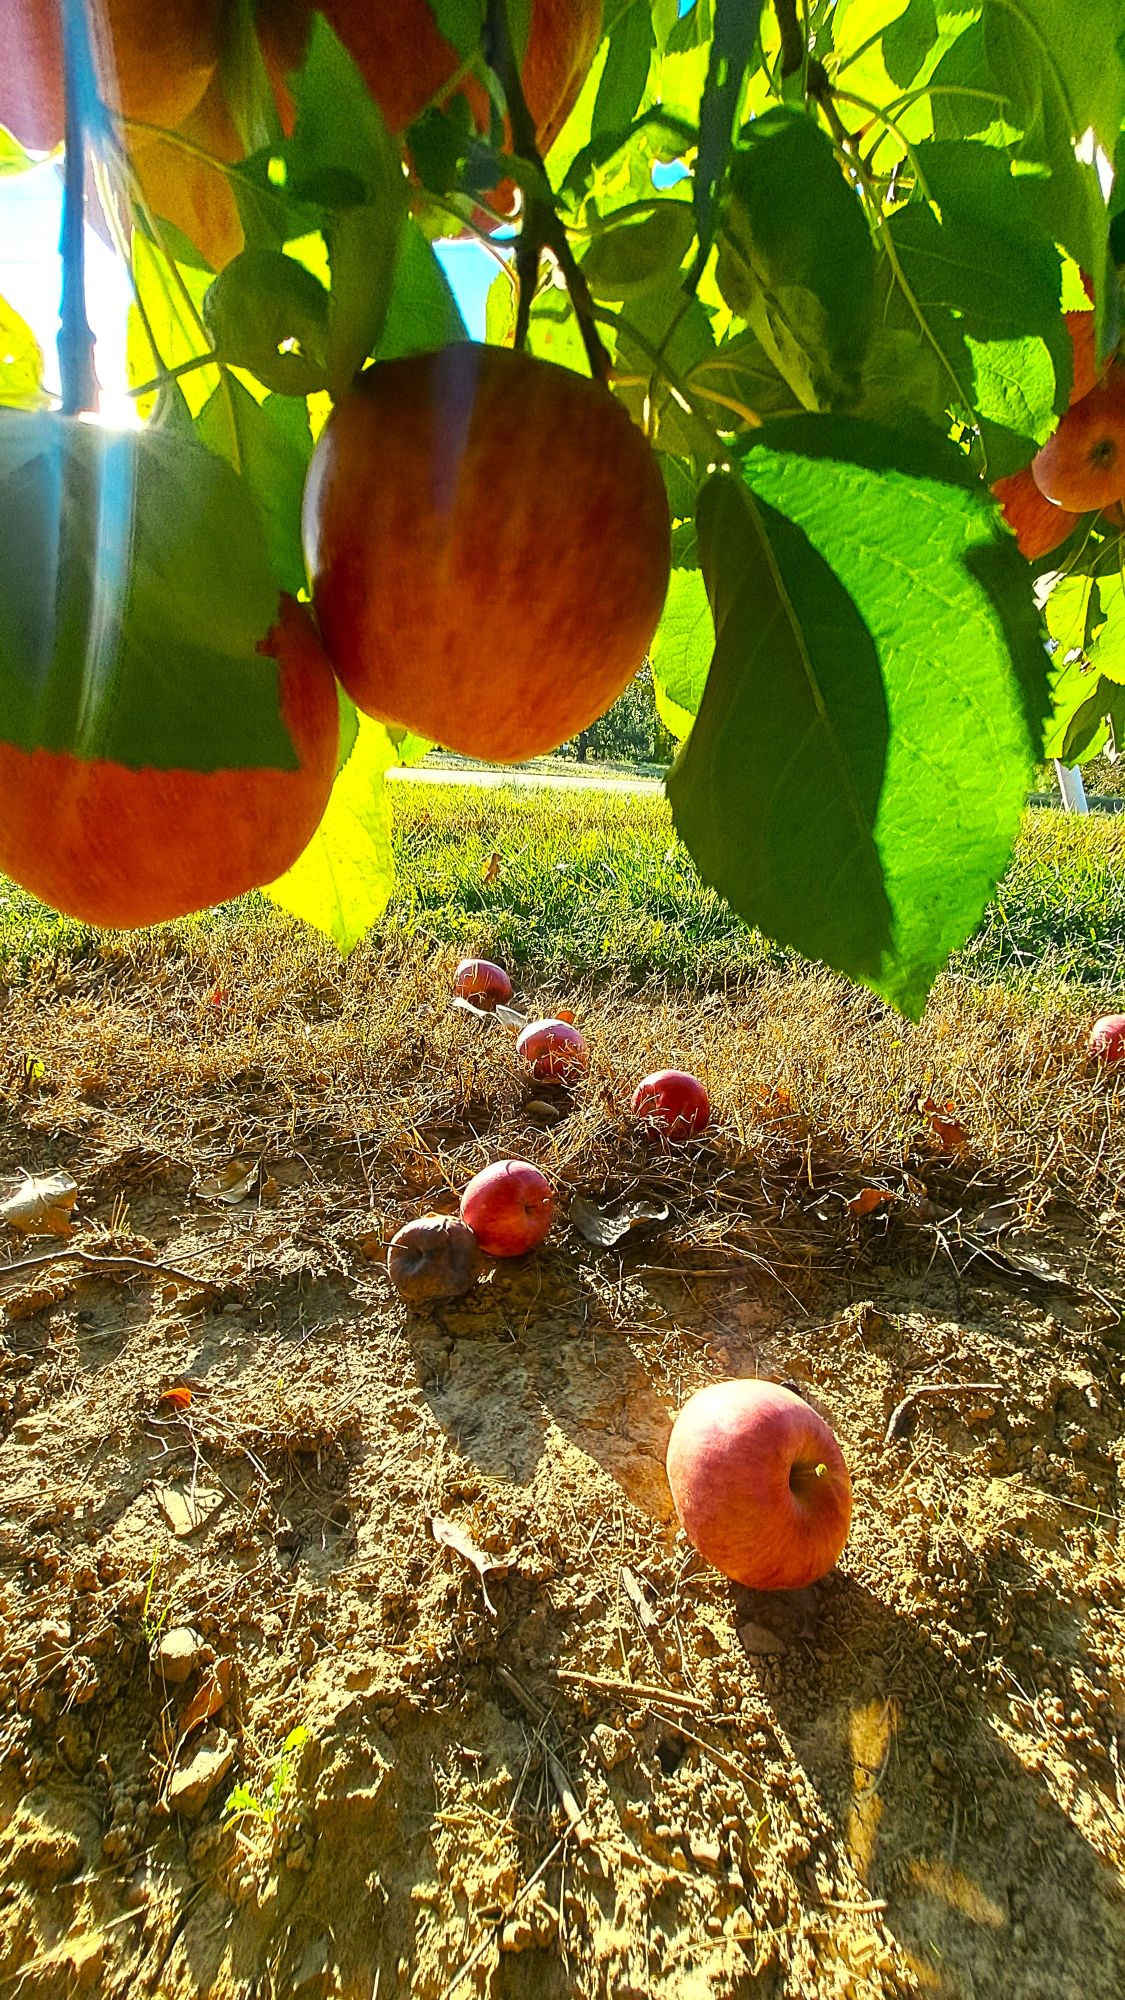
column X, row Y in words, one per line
column 672, row 1104
column 508, row 1208
column 759, row 1483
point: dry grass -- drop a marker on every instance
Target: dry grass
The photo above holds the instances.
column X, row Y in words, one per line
column 297, row 1039
column 849, row 1815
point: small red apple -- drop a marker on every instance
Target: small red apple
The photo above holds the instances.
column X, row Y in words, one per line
column 674, row 1103
column 479, row 979
column 509, row 1207
column 760, row 1484
column 1107, row 1039
column 553, row 1049
column 1083, row 464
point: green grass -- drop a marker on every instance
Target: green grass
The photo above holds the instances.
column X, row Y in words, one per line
column 593, row 883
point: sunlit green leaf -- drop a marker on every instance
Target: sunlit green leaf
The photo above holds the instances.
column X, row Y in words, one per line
column 680, row 654
column 796, row 259
column 856, row 774
column 135, row 593
column 21, row 362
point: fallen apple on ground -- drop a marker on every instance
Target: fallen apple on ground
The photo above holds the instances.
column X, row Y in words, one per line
column 509, row 1207
column 434, row 1257
column 553, row 1050
column 674, row 1103
column 760, row 1484
column 1107, row 1038
column 480, row 979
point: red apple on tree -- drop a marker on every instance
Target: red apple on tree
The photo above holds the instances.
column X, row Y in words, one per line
column 1107, row 1039
column 480, row 979
column 1083, row 464
column 509, row 1207
column 554, row 1049
column 674, row 1103
column 760, row 1484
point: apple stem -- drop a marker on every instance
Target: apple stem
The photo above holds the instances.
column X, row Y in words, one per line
column 75, row 339
column 820, row 1470
column 541, row 228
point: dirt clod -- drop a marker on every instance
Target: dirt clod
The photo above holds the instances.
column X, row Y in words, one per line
column 177, row 1654
column 194, row 1780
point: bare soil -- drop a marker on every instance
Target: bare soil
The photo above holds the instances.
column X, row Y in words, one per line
column 596, row 1768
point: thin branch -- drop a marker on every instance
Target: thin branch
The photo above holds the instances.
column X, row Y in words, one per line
column 114, row 1261
column 541, row 228
column 793, row 48
column 76, row 338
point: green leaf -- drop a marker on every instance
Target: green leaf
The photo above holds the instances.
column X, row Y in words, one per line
column 342, row 157
column 856, row 775
column 135, row 591
column 267, row 313
column 908, row 40
column 627, row 257
column 460, row 21
column 165, row 325
column 269, row 445
column 423, row 312
column 343, row 880
column 777, row 791
column 740, row 383
column 1007, row 277
column 622, row 82
column 734, row 39
column 21, row 362
column 1089, row 727
column 680, row 654
column 796, row 259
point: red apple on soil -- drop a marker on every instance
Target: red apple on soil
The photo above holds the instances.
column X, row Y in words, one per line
column 760, row 1484
column 509, row 1207
column 479, row 979
column 554, row 1050
column 434, row 1257
column 1107, row 1038
column 676, row 1104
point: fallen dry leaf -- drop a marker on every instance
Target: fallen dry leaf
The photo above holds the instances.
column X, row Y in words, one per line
column 952, row 1136
column 186, row 1508
column 450, row 1536
column 209, row 1698
column 491, row 868
column 511, row 1017
column 174, row 1399
column 869, row 1199
column 41, row 1205
column 565, row 1014
column 231, row 1183
column 602, row 1229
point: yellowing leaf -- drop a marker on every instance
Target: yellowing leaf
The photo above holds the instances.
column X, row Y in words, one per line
column 343, row 880
column 41, row 1207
